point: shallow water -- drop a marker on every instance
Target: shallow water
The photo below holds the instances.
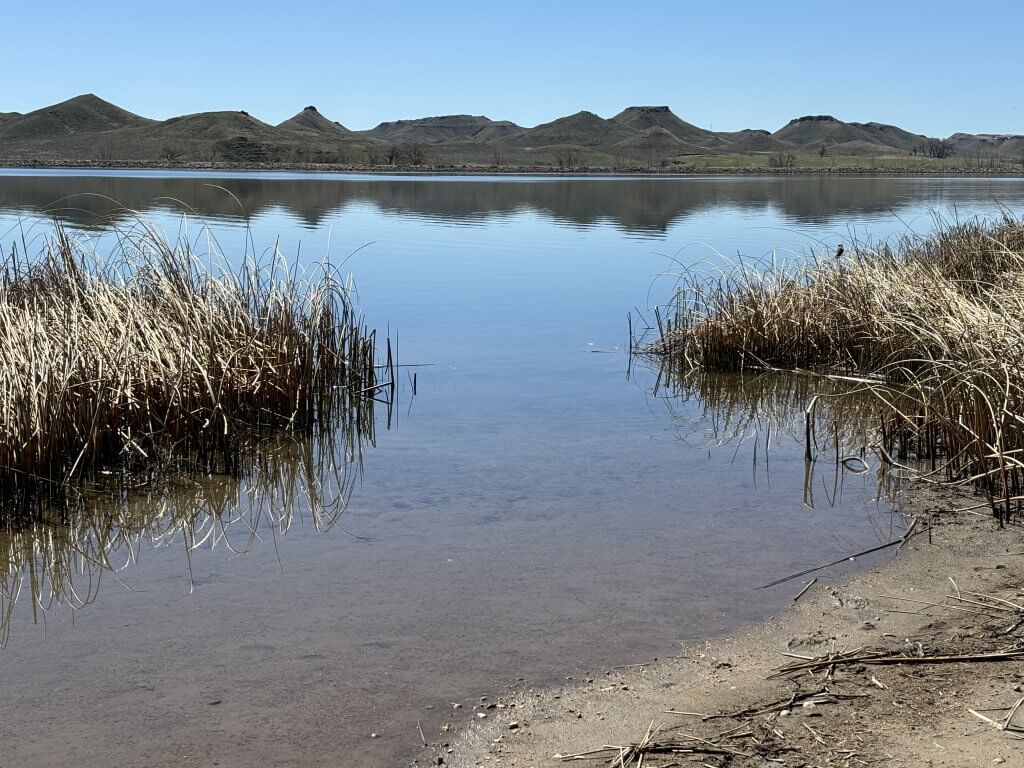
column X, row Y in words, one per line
column 533, row 513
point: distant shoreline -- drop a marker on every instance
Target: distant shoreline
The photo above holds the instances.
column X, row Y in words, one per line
column 465, row 170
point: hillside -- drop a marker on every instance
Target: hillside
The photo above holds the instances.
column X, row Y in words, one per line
column 309, row 120
column 815, row 130
column 828, row 134
column 987, row 145
column 498, row 129
column 751, row 140
column 213, row 126
column 891, row 136
column 642, row 118
column 584, row 129
column 80, row 115
column 89, row 129
column 430, row 130
column 657, row 142
column 236, row 136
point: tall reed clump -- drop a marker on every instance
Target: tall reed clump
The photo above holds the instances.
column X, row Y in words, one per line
column 150, row 353
column 933, row 325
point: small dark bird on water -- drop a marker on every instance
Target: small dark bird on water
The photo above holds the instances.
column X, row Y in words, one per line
column 839, row 250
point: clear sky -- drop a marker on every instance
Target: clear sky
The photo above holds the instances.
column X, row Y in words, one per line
column 931, row 67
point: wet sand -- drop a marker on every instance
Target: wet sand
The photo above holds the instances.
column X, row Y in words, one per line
column 902, row 715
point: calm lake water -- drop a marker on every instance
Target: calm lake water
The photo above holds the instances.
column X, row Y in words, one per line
column 532, row 513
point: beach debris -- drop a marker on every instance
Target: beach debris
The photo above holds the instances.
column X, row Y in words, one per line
column 807, row 586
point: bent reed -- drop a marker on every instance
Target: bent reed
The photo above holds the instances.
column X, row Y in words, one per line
column 932, row 327
column 152, row 354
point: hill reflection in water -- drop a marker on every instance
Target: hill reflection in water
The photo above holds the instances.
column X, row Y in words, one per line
column 636, row 205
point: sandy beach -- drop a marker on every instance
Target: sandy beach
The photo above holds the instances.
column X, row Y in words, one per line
column 939, row 596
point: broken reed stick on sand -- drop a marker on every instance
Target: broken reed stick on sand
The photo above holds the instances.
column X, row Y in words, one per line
column 895, row 542
column 818, row 696
column 807, row 586
column 893, row 657
column 1007, row 723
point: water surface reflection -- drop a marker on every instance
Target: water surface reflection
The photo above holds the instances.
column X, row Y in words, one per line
column 58, row 557
column 635, row 205
column 835, row 421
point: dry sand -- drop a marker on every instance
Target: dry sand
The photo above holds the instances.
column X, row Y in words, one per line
column 901, row 715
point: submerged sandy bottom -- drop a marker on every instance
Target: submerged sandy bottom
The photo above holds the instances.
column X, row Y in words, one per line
column 295, row 653
column 901, row 715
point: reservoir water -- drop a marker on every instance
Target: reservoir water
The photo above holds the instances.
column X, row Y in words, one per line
column 535, row 511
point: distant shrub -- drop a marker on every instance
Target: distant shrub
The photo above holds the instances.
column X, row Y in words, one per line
column 781, row 160
column 938, row 149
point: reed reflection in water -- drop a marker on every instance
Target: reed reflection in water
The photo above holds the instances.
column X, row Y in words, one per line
column 837, row 420
column 61, row 556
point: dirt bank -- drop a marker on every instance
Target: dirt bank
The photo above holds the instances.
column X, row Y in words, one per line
column 940, row 596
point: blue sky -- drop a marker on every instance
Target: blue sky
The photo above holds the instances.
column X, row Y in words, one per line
column 931, row 67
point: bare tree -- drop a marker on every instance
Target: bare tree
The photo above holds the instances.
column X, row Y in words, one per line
column 393, row 154
column 105, row 151
column 497, row 156
column 374, row 154
column 169, row 154
column 415, row 153
column 938, row 149
column 567, row 159
column 781, row 160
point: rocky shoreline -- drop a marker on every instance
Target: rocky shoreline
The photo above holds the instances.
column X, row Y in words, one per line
column 468, row 170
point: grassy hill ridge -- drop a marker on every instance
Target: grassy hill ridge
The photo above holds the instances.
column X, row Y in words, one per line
column 310, row 119
column 87, row 128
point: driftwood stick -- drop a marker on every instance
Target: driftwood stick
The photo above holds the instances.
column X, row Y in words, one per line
column 807, row 586
column 881, row 658
column 900, row 542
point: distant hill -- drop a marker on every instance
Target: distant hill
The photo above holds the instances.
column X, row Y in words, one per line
column 814, row 130
column 642, row 118
column 498, row 129
column 837, row 137
column 891, row 136
column 80, row 115
column 658, row 142
column 752, row 140
column 431, row 130
column 213, row 126
column 584, row 129
column 310, row 120
column 985, row 145
column 87, row 128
